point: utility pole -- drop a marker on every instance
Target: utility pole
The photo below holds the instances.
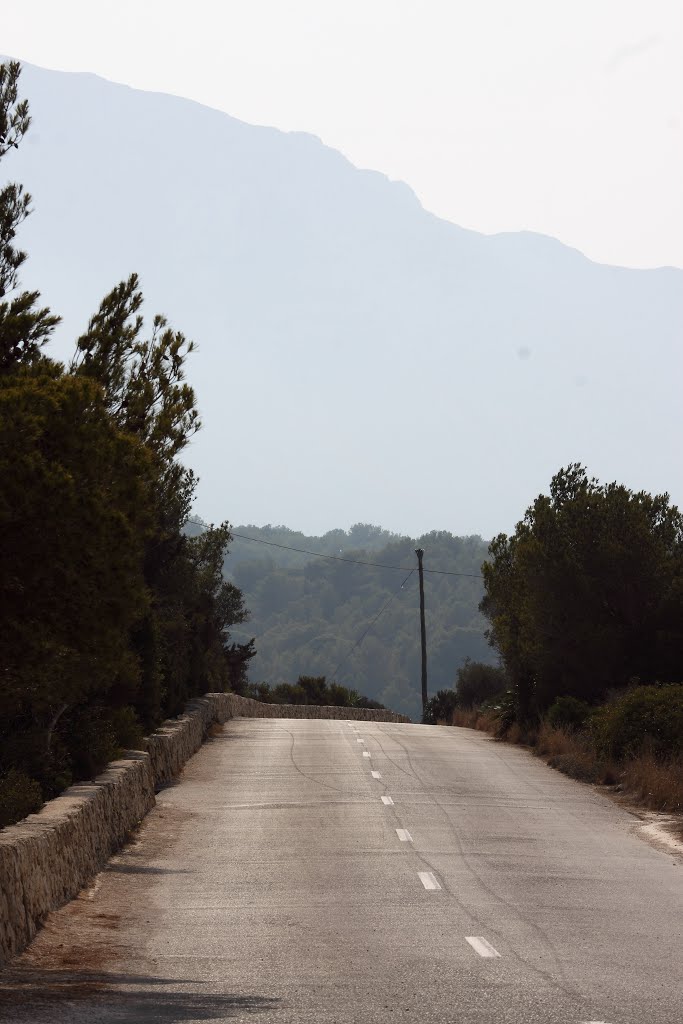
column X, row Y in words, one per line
column 423, row 631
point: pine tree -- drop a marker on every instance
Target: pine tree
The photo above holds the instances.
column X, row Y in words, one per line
column 24, row 327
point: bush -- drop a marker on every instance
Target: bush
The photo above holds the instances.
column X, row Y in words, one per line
column 309, row 690
column 19, row 796
column 568, row 713
column 647, row 717
column 370, row 704
column 440, row 707
column 505, row 708
column 477, row 682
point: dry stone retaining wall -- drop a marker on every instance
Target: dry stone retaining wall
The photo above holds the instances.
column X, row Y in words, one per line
column 47, row 858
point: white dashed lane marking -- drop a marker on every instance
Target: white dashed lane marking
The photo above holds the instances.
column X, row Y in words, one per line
column 387, row 800
column 481, row 946
column 376, row 775
column 428, row 880
column 404, row 835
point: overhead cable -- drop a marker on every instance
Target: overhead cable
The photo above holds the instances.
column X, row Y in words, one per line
column 354, row 561
column 367, row 630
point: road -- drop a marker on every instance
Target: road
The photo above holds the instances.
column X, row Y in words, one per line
column 319, row 871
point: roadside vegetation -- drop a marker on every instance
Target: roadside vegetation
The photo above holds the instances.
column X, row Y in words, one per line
column 112, row 617
column 633, row 743
column 585, row 605
column 307, row 690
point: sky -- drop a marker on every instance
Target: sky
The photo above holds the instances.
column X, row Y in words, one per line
column 558, row 117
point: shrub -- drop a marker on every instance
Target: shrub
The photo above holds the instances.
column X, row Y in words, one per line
column 19, row 796
column 568, row 713
column 370, row 704
column 340, row 696
column 309, row 690
column 477, row 682
column 440, row 707
column 646, row 717
column 505, row 706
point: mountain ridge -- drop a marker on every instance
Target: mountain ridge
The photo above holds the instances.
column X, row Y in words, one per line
column 307, row 135
column 343, row 327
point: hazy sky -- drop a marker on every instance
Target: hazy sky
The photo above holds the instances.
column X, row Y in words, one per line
column 555, row 116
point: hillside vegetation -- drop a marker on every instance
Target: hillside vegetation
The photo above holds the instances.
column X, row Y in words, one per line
column 308, row 614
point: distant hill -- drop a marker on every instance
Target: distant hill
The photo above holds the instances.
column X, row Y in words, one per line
column 308, row 613
column 358, row 357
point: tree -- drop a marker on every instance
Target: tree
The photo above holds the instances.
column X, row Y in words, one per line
column 73, row 518
column 142, row 377
column 588, row 592
column 112, row 616
column 24, row 328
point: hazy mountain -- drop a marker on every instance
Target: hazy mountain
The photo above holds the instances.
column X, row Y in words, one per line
column 358, row 357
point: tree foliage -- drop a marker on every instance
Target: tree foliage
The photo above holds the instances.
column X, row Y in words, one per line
column 587, row 593
column 477, row 682
column 309, row 690
column 112, row 615
column 24, row 328
column 439, row 709
column 645, row 718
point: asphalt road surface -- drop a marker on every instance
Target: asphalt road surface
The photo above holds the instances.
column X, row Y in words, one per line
column 319, row 871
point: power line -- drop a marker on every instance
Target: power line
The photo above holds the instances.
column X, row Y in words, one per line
column 354, row 561
column 365, row 633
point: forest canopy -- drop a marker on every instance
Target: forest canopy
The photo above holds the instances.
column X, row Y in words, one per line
column 308, row 614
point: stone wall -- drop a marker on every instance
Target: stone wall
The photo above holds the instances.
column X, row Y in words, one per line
column 229, row 705
column 48, row 857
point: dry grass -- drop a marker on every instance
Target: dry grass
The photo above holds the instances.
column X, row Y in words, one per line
column 654, row 784
column 485, row 721
column 644, row 780
column 571, row 753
